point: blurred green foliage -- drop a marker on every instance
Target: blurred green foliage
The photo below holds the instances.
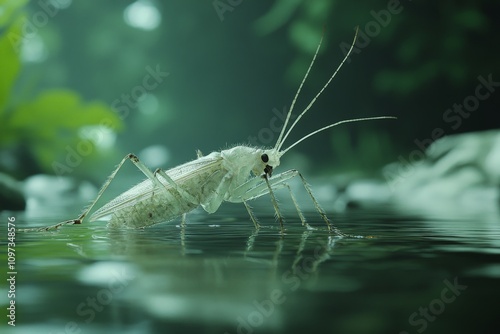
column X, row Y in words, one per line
column 51, row 122
column 10, row 64
column 423, row 60
column 450, row 45
column 46, row 125
column 9, row 10
column 226, row 77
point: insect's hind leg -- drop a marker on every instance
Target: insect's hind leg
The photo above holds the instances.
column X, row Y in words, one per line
column 133, row 158
column 184, row 194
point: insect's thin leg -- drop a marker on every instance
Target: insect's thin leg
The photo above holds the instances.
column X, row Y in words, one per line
column 299, row 212
column 135, row 160
column 322, row 213
column 278, row 181
column 181, row 191
column 256, row 188
column 85, row 212
column 275, row 203
column 252, row 216
column 48, row 228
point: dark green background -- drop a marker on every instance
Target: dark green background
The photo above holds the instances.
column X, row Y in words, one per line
column 227, row 76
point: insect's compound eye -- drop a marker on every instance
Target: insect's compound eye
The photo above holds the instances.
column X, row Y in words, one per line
column 264, row 157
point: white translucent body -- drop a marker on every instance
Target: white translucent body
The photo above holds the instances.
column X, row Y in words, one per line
column 208, row 181
column 237, row 175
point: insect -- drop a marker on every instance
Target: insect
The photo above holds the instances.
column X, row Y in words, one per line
column 238, row 174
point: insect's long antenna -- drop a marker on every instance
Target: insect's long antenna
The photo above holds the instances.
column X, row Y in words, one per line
column 280, row 143
column 335, row 124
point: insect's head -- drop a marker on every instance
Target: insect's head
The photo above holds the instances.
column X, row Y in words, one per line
column 269, row 159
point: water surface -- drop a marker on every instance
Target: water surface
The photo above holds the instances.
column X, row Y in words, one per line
column 219, row 275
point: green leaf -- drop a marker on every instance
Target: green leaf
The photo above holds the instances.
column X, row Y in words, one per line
column 60, row 108
column 10, row 63
column 53, row 120
column 8, row 9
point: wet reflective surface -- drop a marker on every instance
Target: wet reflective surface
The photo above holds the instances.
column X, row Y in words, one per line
column 222, row 276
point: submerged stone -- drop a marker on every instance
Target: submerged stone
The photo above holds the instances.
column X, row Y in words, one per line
column 459, row 176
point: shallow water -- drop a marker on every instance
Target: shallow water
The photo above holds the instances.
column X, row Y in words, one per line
column 221, row 276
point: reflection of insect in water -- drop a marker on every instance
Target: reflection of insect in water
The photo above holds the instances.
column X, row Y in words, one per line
column 237, row 175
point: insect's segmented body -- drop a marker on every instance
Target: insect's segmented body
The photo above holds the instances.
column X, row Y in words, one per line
column 160, row 205
column 148, row 203
column 237, row 175
column 206, row 181
column 163, row 205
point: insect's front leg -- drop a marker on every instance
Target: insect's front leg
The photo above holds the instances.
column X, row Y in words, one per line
column 256, row 187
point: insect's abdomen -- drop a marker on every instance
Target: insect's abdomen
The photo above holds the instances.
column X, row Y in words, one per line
column 161, row 207
column 148, row 206
column 149, row 202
